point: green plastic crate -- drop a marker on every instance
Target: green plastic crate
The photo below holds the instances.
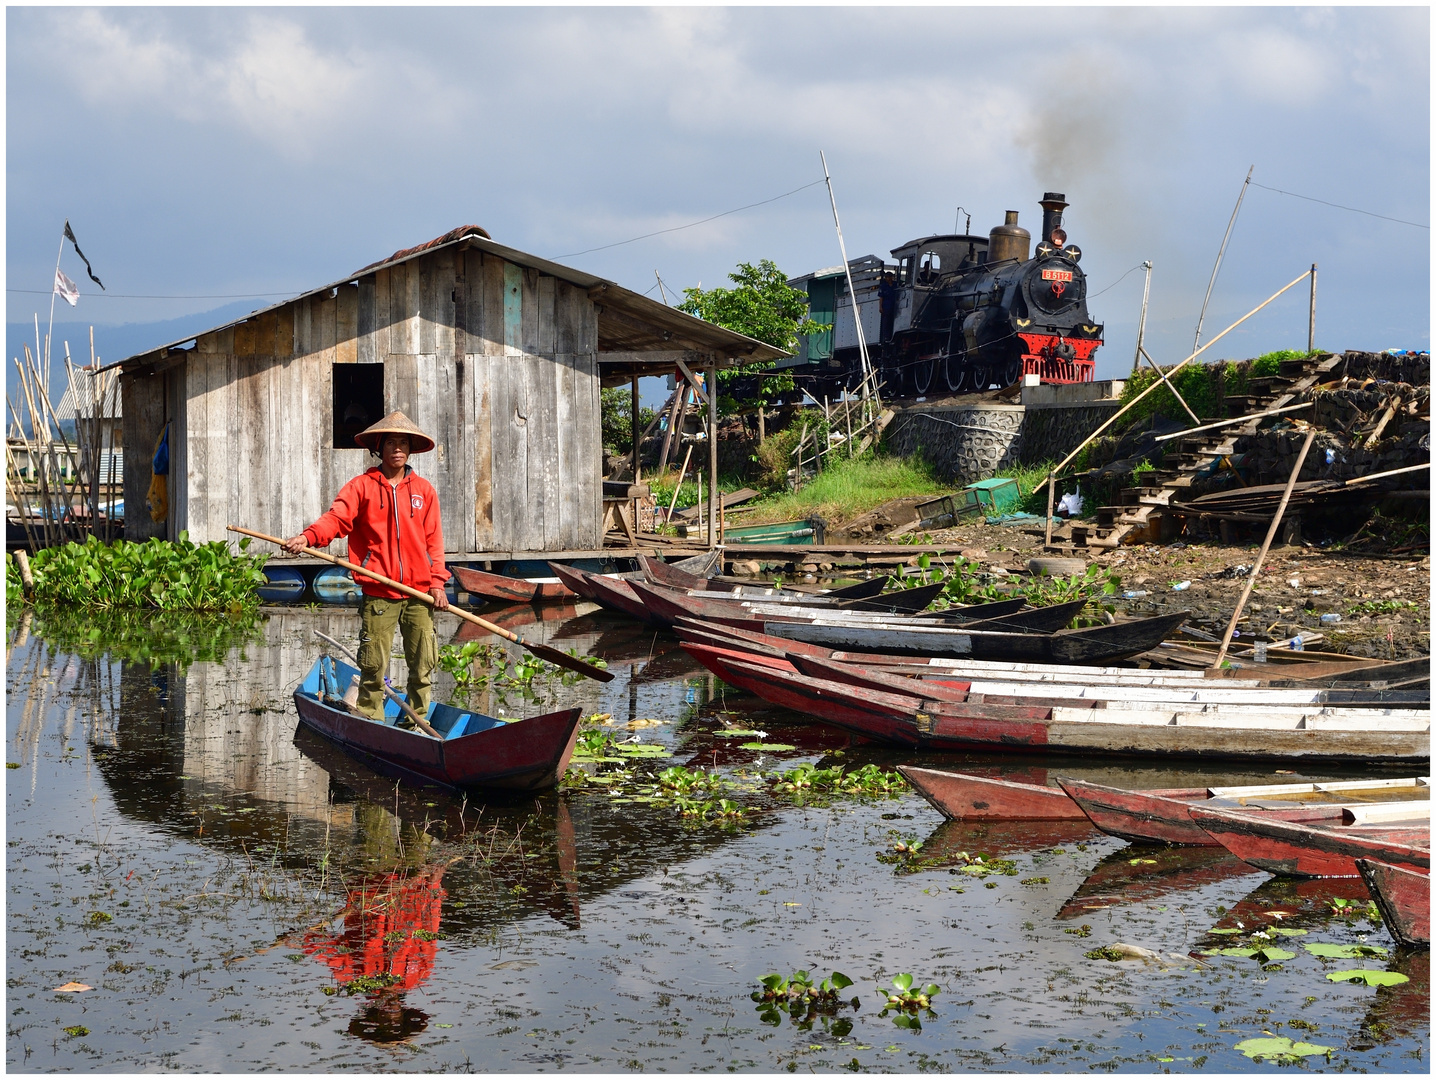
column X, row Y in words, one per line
column 993, row 497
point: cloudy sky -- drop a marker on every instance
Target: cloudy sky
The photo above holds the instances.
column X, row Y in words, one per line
column 219, row 158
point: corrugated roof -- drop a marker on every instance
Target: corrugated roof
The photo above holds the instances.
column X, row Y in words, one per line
column 661, row 327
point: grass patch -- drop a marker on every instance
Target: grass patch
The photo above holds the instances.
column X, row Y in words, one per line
column 848, row 488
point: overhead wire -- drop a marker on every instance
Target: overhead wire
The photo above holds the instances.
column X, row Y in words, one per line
column 691, row 224
column 1338, row 206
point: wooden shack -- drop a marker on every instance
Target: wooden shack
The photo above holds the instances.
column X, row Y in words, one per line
column 498, row 354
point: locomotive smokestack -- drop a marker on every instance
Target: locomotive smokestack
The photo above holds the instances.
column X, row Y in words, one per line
column 1008, row 241
column 1053, row 203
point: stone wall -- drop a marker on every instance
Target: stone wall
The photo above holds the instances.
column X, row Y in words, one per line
column 965, row 443
column 1051, row 434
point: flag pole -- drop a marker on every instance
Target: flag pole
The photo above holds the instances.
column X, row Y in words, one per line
column 53, row 278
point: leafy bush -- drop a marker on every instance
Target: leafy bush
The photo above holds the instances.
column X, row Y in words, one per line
column 617, row 419
column 170, row 575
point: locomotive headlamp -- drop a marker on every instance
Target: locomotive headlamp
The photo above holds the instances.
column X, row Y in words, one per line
column 1073, row 252
column 1059, row 236
column 1045, row 249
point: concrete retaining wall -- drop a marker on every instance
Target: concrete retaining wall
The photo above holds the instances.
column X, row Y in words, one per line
column 968, row 442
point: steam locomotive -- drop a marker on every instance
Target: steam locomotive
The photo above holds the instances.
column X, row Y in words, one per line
column 954, row 314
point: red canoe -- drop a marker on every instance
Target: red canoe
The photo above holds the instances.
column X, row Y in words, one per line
column 1404, row 898
column 1286, row 847
column 513, row 590
column 477, row 751
column 916, row 719
column 1162, row 817
column 965, row 797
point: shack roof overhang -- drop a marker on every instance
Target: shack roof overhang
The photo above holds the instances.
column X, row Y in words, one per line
column 636, row 335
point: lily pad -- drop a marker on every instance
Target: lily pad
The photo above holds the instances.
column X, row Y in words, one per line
column 765, row 746
column 1216, row 930
column 1284, row 932
column 1342, row 952
column 1266, row 956
column 736, row 733
column 1280, row 1048
column 642, row 750
column 1369, row 977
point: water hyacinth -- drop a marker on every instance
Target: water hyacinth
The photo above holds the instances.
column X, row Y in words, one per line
column 169, row 575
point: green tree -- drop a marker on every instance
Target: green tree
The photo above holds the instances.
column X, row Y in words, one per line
column 762, row 306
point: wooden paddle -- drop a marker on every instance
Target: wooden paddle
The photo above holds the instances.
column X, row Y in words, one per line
column 543, row 652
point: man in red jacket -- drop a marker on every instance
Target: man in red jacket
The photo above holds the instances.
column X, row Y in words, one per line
column 391, row 516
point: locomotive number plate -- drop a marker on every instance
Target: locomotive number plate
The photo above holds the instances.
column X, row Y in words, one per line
column 1056, row 275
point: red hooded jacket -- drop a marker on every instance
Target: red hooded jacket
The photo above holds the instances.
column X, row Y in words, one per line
column 394, row 531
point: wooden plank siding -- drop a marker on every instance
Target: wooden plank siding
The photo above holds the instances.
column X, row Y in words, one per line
column 496, row 361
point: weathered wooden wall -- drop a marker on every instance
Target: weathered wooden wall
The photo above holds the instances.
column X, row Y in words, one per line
column 496, row 361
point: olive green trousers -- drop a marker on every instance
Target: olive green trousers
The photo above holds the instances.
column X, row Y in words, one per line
column 415, row 622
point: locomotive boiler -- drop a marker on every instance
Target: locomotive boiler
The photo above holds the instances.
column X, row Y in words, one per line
column 954, row 313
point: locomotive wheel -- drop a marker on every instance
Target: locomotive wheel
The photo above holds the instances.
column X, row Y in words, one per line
column 1012, row 373
column 978, row 378
column 954, row 373
column 922, row 376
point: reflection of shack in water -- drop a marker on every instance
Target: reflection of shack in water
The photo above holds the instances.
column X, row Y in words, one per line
column 211, row 754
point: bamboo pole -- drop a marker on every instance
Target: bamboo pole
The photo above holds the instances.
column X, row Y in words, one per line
column 1266, row 545
column 1142, row 321
column 1236, row 420
column 1311, row 315
column 1116, row 415
column 714, row 498
column 677, row 487
column 1163, row 375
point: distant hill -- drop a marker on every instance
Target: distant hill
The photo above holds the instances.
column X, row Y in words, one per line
column 114, row 342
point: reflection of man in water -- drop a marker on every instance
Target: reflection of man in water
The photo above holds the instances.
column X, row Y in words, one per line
column 390, row 939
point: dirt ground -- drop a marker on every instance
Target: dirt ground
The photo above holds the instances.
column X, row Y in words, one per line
column 1297, row 585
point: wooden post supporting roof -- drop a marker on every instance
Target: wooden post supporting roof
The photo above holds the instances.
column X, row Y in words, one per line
column 714, row 499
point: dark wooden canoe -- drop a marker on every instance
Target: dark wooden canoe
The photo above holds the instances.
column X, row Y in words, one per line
column 1162, row 817
column 512, row 590
column 1404, row 899
column 1092, row 645
column 1036, row 726
column 668, row 605
column 676, row 577
column 477, row 752
column 702, row 566
column 1286, row 847
column 965, row 797
column 616, row 594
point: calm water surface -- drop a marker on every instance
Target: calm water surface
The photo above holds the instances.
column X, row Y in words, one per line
column 240, row 897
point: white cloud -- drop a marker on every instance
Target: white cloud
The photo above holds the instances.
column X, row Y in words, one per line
column 263, row 74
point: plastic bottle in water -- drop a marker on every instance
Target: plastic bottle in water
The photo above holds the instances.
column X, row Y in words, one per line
column 1331, row 617
column 1134, row 594
column 1259, row 652
column 1297, row 645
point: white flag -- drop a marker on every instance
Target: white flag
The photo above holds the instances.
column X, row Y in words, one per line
column 66, row 288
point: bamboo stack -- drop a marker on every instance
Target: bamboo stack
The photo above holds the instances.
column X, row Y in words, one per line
column 57, row 493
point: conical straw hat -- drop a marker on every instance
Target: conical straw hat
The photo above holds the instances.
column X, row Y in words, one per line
column 396, row 423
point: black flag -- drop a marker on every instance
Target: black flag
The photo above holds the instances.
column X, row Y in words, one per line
column 70, row 236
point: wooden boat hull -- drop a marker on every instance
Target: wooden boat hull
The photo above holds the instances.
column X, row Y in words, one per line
column 1027, row 725
column 965, row 797
column 1285, row 847
column 508, row 589
column 1404, row 899
column 1090, row 646
column 519, row 756
column 1151, row 817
